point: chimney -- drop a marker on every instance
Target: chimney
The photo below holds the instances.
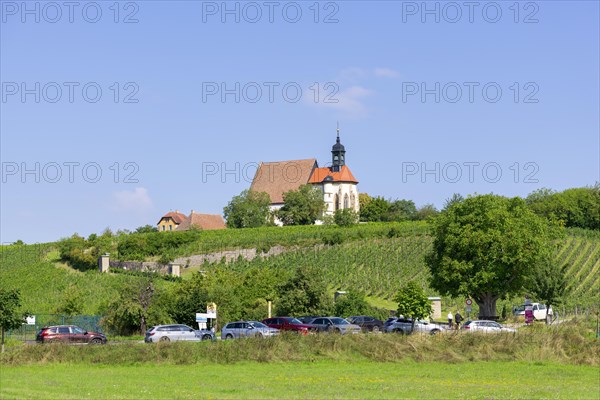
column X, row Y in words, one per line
column 177, row 211
column 191, row 212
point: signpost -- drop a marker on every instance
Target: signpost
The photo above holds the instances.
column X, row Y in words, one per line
column 468, row 302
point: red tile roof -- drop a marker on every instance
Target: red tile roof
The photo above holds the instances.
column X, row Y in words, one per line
column 276, row 178
column 344, row 175
column 202, row 221
column 177, row 217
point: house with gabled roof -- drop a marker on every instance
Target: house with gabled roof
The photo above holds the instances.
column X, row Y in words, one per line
column 336, row 182
column 176, row 221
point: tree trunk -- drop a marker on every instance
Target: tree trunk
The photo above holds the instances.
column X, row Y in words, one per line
column 548, row 317
column 2, row 339
column 487, row 304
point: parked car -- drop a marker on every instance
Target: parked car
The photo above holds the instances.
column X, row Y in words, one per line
column 69, row 334
column 367, row 324
column 405, row 326
column 539, row 311
column 388, row 322
column 240, row 329
column 287, row 324
column 334, row 324
column 177, row 332
column 307, row 318
column 486, row 327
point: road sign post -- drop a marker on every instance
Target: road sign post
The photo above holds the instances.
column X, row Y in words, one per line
column 468, row 302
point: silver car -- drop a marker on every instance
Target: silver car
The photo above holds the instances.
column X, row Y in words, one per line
column 486, row 327
column 334, row 325
column 176, row 332
column 240, row 329
column 405, row 327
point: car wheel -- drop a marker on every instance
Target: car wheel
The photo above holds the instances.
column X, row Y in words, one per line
column 165, row 339
column 375, row 329
column 399, row 331
column 229, row 336
column 206, row 336
column 258, row 335
column 95, row 341
column 434, row 332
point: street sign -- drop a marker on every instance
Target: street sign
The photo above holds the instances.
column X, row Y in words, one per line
column 468, row 302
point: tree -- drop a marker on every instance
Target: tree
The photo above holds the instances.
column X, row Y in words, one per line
column 304, row 294
column 485, row 247
column 426, row 212
column 345, row 217
column 72, row 301
column 576, row 207
column 548, row 283
column 146, row 229
column 401, row 210
column 412, row 302
column 249, row 209
column 134, row 309
column 10, row 315
column 352, row 303
column 373, row 209
column 302, row 207
column 456, row 198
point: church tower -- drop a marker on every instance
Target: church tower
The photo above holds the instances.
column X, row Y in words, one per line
column 338, row 154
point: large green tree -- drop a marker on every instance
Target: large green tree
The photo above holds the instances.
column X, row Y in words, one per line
column 249, row 209
column 11, row 317
column 302, row 206
column 486, row 247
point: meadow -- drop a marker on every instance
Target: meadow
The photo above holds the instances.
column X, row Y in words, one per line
column 303, row 380
column 538, row 362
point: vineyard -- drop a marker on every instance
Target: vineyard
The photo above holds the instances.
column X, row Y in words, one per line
column 43, row 284
column 375, row 260
column 378, row 267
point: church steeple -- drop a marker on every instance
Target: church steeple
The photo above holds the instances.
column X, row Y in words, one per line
column 338, row 154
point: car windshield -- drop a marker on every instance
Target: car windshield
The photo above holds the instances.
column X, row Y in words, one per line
column 293, row 321
column 257, row 324
column 339, row 321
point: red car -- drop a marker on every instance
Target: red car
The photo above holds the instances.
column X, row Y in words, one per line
column 287, row 324
column 69, row 334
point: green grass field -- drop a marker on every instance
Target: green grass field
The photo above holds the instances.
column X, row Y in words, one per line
column 318, row 380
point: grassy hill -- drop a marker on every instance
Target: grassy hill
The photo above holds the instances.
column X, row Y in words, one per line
column 374, row 258
column 43, row 280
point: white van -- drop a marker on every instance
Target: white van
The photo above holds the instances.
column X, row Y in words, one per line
column 539, row 311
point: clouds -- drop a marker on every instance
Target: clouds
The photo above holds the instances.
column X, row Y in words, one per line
column 352, row 91
column 136, row 201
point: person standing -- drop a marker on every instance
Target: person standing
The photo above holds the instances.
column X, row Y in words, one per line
column 458, row 319
column 450, row 320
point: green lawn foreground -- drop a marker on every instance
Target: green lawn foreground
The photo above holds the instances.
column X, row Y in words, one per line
column 303, row 380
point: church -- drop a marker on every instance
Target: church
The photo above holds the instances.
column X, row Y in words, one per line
column 337, row 183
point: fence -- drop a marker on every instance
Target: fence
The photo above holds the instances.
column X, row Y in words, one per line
column 29, row 331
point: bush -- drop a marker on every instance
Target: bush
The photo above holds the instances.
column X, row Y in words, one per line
column 345, row 217
column 333, row 238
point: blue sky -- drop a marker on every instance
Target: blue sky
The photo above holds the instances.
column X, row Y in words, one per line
column 501, row 98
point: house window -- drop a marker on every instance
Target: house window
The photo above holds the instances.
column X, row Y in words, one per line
column 336, row 200
column 346, row 201
column 163, row 228
column 170, row 227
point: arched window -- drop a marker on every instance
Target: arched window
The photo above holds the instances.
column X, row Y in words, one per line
column 352, row 201
column 336, row 202
column 346, row 201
